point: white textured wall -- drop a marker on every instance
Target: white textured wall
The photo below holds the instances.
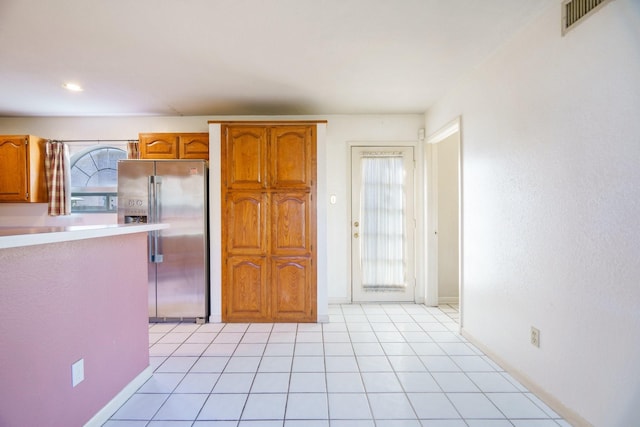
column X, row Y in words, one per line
column 551, row 166
column 342, row 130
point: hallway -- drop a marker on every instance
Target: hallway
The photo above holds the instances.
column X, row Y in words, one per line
column 376, row 365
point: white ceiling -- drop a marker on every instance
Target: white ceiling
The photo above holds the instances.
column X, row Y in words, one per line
column 235, row 57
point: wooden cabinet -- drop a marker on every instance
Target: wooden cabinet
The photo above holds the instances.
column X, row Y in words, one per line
column 22, row 175
column 269, row 222
column 174, row 146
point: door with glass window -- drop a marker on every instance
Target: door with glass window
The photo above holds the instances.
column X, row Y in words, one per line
column 382, row 224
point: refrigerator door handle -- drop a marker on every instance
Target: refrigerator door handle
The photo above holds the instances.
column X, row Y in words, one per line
column 150, row 203
column 154, row 213
column 156, row 181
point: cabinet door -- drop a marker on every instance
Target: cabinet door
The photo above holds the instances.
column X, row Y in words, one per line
column 290, row 226
column 246, row 295
column 292, row 283
column 14, row 169
column 291, row 157
column 194, row 146
column 158, row 146
column 245, row 154
column 246, row 223
column 293, row 293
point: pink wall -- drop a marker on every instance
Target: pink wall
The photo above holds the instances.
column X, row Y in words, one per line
column 62, row 302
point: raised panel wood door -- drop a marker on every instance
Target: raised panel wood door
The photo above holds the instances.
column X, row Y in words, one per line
column 14, row 169
column 290, row 223
column 158, row 146
column 193, row 146
column 247, row 293
column 22, row 176
column 292, row 291
column 245, row 158
column 291, row 157
column 247, row 223
column 269, row 216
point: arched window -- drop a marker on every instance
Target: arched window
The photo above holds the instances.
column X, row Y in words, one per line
column 94, row 179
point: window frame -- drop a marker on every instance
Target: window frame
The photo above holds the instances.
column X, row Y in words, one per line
column 110, row 193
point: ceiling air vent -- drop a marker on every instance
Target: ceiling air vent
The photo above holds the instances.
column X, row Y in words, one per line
column 575, row 11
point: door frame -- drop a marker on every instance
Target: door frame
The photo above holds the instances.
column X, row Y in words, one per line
column 431, row 213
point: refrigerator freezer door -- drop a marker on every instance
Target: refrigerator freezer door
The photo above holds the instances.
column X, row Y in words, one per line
column 182, row 274
column 133, row 206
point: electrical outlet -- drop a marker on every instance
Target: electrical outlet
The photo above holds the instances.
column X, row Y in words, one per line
column 77, row 372
column 535, row 337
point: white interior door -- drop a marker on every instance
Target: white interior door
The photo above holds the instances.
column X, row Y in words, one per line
column 382, row 224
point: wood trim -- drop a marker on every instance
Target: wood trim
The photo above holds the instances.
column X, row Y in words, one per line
column 267, row 122
column 39, row 192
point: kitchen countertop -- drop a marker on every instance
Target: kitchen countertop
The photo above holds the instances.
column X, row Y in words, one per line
column 14, row 237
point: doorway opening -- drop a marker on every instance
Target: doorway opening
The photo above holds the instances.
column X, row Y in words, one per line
column 444, row 219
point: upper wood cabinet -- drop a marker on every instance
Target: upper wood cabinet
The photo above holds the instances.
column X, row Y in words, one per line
column 22, row 175
column 246, row 157
column 291, row 157
column 193, row 146
column 174, row 146
column 269, row 157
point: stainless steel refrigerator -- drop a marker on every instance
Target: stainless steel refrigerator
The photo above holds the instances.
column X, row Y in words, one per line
column 173, row 192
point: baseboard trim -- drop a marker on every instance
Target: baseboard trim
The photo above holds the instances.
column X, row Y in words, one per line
column 448, row 300
column 324, row 318
column 339, row 301
column 218, row 318
column 110, row 408
column 568, row 414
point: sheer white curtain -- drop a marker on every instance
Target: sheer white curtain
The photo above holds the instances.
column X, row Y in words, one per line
column 382, row 216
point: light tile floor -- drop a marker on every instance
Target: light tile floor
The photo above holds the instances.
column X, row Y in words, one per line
column 373, row 365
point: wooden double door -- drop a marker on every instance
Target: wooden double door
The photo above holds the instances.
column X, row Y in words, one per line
column 269, row 223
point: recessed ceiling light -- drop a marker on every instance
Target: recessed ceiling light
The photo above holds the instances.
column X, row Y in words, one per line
column 73, row 87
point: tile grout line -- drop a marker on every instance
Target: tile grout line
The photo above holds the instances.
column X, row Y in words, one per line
column 388, row 351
